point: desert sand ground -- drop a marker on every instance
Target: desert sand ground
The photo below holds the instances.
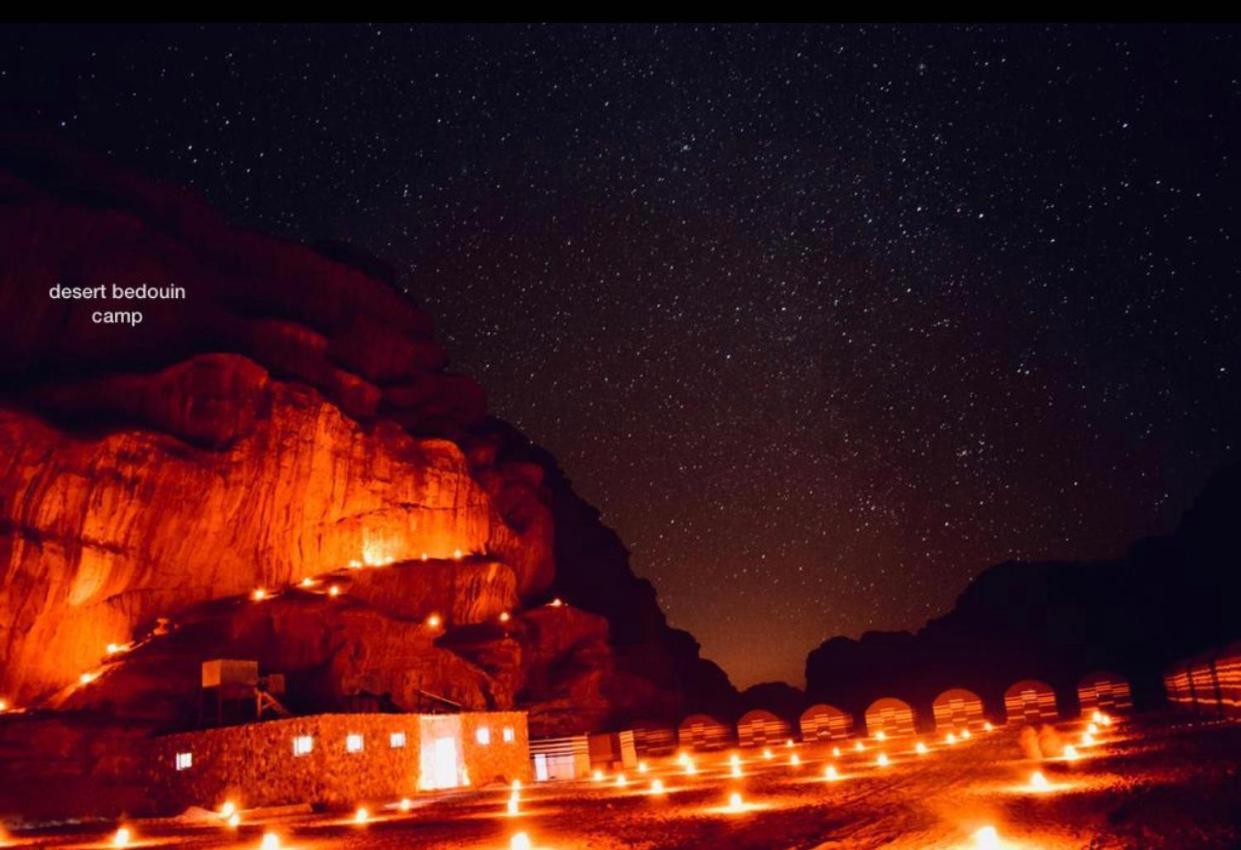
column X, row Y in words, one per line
column 1153, row 784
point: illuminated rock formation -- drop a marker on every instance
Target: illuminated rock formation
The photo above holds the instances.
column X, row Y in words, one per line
column 290, row 419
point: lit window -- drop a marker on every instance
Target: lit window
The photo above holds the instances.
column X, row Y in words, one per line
column 483, row 735
column 302, row 745
column 185, row 761
column 509, row 735
column 353, row 743
column 396, row 740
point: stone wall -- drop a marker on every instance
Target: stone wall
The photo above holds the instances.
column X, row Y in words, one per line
column 499, row 759
column 255, row 764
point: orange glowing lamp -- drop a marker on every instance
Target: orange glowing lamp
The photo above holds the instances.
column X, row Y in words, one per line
column 768, row 754
column 987, row 838
column 597, row 776
column 657, row 786
column 1038, row 782
column 435, row 621
column 1070, row 753
column 259, row 594
column 882, row 761
column 122, row 837
column 920, row 748
column 513, row 803
column 405, row 805
column 831, row 774
column 795, row 760
column 621, row 781
column 271, row 841
column 881, row 735
column 362, row 815
column 520, row 841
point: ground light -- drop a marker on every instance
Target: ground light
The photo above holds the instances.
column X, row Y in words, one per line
column 1070, row 753
column 621, row 781
column 520, row 841
column 987, row 839
column 836, row 752
column 920, row 748
column 227, row 809
column 987, row 727
column 831, row 774
column 513, row 803
column 736, row 770
column 735, row 802
column 859, row 746
column 1038, row 782
column 794, row 760
column 406, row 804
column 966, row 734
column 234, row 820
column 270, row 841
column 642, row 768
column 768, row 754
column 259, row 594
column 657, row 786
column 121, row 837
column 950, row 739
column 1087, row 739
column 881, row 735
column 882, row 761
column 362, row 815
column 597, row 776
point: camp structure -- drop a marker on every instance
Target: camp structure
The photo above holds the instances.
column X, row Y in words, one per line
column 758, row 728
column 560, row 758
column 825, row 723
column 891, row 716
column 704, row 732
column 958, row 708
column 1209, row 684
column 1030, row 701
column 654, row 739
column 1107, row 692
column 612, row 750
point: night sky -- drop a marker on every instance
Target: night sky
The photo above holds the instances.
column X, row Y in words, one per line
column 824, row 320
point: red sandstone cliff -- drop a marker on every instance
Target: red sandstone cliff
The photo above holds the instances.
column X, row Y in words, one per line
column 292, row 418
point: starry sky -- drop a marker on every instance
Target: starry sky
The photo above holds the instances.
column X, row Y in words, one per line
column 824, row 319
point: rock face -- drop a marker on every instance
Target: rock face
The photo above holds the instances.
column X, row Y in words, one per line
column 290, row 419
column 1168, row 598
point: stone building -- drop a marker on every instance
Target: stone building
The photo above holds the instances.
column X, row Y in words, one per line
column 337, row 759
